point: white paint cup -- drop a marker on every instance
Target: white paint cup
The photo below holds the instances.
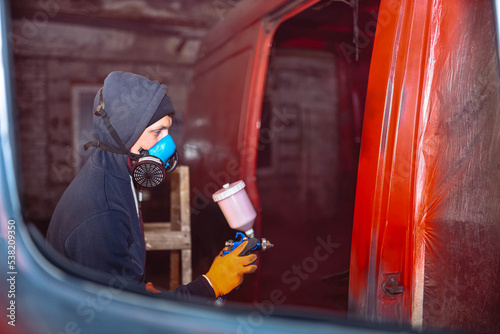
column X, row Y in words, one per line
column 236, row 207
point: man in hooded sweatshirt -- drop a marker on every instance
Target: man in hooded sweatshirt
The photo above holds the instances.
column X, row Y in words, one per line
column 97, row 220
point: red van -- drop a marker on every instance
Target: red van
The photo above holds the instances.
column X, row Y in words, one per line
column 368, row 136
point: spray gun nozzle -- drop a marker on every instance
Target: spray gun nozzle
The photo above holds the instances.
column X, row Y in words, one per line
column 266, row 244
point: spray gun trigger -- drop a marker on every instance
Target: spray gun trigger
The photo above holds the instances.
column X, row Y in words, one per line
column 251, row 245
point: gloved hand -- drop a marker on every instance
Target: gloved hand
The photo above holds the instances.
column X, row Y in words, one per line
column 150, row 288
column 227, row 271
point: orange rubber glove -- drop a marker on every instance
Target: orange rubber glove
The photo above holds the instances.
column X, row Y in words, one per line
column 227, row 271
column 150, row 288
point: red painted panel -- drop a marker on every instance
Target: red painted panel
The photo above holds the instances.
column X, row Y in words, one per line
column 376, row 159
column 427, row 208
column 422, row 167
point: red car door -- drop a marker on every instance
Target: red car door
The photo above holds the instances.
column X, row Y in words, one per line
column 425, row 238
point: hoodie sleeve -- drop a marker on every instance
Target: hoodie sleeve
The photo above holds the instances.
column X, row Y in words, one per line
column 104, row 242
column 199, row 287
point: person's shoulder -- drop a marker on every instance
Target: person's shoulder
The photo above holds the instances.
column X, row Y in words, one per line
column 85, row 195
column 88, row 184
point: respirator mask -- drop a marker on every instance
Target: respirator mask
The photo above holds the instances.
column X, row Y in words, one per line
column 151, row 165
column 151, row 168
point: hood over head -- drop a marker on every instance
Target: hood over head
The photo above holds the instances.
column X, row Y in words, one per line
column 130, row 101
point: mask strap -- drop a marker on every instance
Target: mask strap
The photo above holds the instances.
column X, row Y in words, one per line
column 100, row 112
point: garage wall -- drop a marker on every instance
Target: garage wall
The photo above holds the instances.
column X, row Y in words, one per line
column 62, row 47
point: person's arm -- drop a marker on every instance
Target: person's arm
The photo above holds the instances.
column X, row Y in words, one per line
column 200, row 287
column 102, row 243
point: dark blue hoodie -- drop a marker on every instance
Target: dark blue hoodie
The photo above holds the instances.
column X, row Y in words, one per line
column 96, row 222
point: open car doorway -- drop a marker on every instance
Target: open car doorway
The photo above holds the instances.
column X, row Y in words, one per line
column 308, row 151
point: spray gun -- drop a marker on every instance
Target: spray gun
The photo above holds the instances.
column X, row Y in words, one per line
column 240, row 215
column 262, row 244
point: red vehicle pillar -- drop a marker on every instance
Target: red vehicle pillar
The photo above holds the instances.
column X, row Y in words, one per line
column 426, row 216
